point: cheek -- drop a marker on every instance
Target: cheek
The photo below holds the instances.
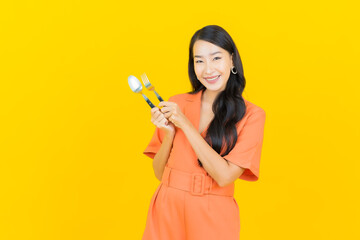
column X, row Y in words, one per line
column 224, row 67
column 197, row 69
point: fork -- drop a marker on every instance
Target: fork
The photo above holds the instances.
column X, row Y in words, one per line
column 150, row 87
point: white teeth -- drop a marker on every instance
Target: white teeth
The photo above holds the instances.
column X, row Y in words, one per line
column 210, row 79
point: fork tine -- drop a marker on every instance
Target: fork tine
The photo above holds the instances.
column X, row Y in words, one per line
column 149, row 86
column 146, row 81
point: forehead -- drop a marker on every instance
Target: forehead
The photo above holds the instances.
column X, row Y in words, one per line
column 204, row 48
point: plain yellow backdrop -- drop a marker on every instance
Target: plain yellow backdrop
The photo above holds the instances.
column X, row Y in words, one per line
column 72, row 133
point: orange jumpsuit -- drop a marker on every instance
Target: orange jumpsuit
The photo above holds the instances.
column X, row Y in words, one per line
column 188, row 204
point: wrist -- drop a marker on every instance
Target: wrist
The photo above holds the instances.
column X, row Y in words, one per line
column 187, row 126
column 169, row 135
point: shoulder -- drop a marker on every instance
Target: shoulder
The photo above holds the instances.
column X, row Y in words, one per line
column 177, row 97
column 182, row 98
column 254, row 118
column 253, row 110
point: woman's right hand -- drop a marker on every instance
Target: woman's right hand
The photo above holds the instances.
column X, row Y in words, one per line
column 159, row 120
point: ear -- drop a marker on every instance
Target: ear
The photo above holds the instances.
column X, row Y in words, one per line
column 232, row 63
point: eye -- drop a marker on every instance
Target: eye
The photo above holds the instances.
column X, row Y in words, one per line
column 198, row 61
column 217, row 58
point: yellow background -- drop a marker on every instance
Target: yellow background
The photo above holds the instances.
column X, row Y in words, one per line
column 72, row 133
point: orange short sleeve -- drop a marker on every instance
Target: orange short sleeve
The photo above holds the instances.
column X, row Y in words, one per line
column 155, row 144
column 247, row 150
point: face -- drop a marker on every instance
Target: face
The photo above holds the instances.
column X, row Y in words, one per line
column 212, row 65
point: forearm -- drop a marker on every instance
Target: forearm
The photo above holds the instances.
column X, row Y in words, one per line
column 213, row 163
column 162, row 156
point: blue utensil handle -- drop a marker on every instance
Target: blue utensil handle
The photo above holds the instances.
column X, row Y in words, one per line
column 148, row 101
column 158, row 96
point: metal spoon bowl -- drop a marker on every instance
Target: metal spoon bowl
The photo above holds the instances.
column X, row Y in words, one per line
column 136, row 87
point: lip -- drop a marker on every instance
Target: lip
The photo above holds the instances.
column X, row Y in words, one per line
column 211, row 77
column 213, row 81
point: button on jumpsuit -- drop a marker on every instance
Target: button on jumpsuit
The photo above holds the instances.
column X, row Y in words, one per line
column 176, row 213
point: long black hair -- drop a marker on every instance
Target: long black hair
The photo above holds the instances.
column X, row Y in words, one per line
column 229, row 106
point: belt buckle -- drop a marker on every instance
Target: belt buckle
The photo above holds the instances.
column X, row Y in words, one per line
column 194, row 179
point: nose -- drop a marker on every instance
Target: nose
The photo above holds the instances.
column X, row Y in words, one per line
column 209, row 68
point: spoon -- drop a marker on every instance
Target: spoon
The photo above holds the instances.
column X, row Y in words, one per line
column 136, row 87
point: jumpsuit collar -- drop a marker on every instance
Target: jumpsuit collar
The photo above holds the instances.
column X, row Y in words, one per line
column 193, row 110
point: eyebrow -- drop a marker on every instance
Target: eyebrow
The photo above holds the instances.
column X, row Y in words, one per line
column 210, row 54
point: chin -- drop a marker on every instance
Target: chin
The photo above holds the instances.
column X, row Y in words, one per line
column 214, row 89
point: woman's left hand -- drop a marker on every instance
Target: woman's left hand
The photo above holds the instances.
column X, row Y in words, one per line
column 173, row 113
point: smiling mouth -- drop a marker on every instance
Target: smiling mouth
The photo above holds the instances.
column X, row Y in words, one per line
column 212, row 79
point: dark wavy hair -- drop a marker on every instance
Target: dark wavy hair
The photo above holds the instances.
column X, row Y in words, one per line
column 229, row 106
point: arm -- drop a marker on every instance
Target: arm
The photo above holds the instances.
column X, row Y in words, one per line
column 168, row 131
column 162, row 155
column 221, row 170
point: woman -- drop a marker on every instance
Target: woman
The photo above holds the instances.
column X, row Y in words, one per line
column 204, row 140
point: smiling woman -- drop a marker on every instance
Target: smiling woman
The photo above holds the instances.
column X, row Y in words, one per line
column 204, row 140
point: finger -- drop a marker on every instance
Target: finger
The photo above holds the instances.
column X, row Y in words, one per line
column 171, row 118
column 156, row 114
column 164, row 121
column 154, row 109
column 166, row 109
column 167, row 115
column 160, row 117
column 165, row 104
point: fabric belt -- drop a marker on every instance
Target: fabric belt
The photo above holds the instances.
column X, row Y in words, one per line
column 196, row 183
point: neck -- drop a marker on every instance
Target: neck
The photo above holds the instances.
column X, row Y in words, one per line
column 209, row 96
